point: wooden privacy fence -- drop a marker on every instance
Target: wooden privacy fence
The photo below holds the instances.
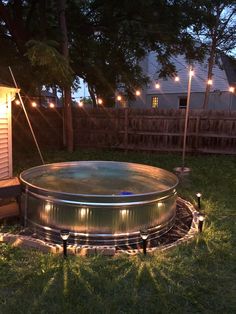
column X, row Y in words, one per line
column 47, row 125
column 156, row 130
column 134, row 129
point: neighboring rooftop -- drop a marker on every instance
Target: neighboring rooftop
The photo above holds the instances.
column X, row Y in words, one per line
column 229, row 64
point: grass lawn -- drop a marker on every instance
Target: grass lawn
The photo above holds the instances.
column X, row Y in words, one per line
column 199, row 277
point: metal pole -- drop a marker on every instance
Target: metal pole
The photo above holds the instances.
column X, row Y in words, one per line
column 65, row 248
column 199, row 202
column 144, row 246
column 186, row 116
column 200, row 225
column 230, row 103
column 27, row 118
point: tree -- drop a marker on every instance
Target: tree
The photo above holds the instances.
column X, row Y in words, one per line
column 103, row 41
column 216, row 30
column 67, row 87
column 106, row 40
column 31, row 30
column 102, row 55
column 111, row 37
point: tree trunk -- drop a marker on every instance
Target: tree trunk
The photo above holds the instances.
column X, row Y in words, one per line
column 211, row 62
column 68, row 120
column 67, row 89
column 92, row 95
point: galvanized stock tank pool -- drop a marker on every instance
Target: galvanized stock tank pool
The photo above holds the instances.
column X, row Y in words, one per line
column 99, row 202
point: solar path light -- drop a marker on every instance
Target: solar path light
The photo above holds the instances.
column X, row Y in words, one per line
column 144, row 236
column 199, row 200
column 201, row 219
column 65, row 235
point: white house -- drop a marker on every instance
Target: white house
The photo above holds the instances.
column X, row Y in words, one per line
column 7, row 94
column 172, row 92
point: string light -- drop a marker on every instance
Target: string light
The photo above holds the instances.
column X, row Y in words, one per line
column 100, row 102
column 185, row 67
column 231, row 89
column 209, row 82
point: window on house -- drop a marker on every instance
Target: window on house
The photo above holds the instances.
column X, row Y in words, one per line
column 182, row 102
column 154, row 102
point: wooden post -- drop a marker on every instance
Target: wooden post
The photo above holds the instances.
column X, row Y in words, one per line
column 197, row 132
column 186, row 117
column 126, row 128
column 116, row 117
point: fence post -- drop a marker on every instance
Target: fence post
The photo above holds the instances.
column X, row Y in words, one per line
column 126, row 128
column 197, row 133
column 116, row 117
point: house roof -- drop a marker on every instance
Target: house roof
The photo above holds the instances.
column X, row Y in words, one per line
column 229, row 65
column 7, row 90
column 5, row 85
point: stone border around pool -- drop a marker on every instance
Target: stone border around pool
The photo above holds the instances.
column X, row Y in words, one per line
column 24, row 241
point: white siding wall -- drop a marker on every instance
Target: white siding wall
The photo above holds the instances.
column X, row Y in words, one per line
column 220, row 82
column 5, row 134
column 170, row 91
column 4, row 154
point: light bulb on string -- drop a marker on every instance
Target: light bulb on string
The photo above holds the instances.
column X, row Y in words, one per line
column 209, row 82
column 231, row 89
column 119, row 98
column 137, row 93
column 176, row 78
column 157, row 86
column 51, row 105
column 34, row 104
column 100, row 101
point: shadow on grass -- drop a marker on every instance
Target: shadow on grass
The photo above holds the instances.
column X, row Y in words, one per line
column 187, row 279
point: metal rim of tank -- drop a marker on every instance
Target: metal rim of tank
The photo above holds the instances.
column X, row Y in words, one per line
column 101, row 200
